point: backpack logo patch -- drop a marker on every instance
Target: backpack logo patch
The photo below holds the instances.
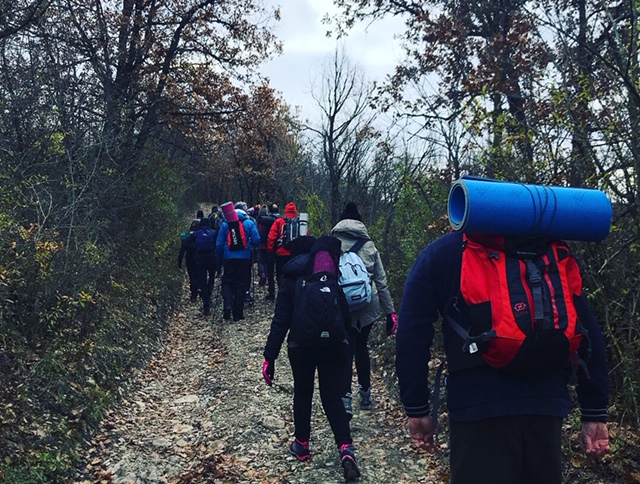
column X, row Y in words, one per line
column 519, row 307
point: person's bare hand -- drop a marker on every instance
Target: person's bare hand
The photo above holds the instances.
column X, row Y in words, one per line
column 421, row 430
column 595, row 439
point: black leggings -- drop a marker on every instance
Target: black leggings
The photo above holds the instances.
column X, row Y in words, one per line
column 330, row 362
column 515, row 449
column 358, row 350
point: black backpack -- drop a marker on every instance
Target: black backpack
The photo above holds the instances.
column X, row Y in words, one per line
column 290, row 231
column 264, row 226
column 317, row 311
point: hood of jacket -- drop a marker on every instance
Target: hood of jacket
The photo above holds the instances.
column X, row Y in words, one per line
column 296, row 267
column 350, row 229
column 290, row 210
column 242, row 215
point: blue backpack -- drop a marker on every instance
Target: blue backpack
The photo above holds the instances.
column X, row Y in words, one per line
column 205, row 241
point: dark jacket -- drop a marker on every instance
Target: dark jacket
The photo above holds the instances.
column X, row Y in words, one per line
column 481, row 392
column 187, row 250
column 294, row 269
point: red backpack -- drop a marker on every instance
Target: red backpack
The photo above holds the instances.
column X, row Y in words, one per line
column 236, row 238
column 521, row 305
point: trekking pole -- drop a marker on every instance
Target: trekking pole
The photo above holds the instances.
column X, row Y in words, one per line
column 253, row 284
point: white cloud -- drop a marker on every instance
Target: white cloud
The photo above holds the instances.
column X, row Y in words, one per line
column 306, row 46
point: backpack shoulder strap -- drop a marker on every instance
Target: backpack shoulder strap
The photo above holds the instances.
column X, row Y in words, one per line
column 358, row 245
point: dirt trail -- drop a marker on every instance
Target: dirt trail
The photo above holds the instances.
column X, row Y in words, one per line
column 201, row 413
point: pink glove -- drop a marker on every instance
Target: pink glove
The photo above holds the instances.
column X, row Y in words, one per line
column 268, row 370
column 392, row 323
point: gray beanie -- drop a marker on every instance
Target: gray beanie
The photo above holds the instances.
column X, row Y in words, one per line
column 241, row 206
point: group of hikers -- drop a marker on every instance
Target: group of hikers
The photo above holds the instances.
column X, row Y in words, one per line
column 506, row 397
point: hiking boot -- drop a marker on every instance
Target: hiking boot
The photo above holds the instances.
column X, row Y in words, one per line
column 207, row 311
column 238, row 317
column 365, row 399
column 227, row 314
column 263, row 280
column 348, row 461
column 300, row 450
column 346, row 401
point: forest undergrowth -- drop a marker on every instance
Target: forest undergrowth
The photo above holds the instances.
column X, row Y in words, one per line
column 201, row 413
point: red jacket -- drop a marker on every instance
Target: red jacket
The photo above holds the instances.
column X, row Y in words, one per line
column 290, row 211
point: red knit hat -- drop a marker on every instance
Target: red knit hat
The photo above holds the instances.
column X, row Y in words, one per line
column 290, row 210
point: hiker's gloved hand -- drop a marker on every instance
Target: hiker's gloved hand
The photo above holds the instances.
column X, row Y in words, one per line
column 268, row 370
column 392, row 323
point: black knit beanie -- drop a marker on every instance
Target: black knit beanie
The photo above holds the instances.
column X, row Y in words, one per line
column 301, row 245
column 351, row 211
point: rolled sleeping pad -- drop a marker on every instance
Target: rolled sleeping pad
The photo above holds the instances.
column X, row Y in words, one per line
column 486, row 206
column 230, row 214
column 304, row 223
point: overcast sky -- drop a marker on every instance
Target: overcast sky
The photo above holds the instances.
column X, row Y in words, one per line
column 306, row 47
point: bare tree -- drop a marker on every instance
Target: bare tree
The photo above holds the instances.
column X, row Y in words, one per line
column 346, row 133
column 15, row 15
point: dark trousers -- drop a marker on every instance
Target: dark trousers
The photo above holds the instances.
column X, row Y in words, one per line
column 268, row 261
column 193, row 276
column 236, row 280
column 330, row 361
column 358, row 350
column 205, row 276
column 515, row 449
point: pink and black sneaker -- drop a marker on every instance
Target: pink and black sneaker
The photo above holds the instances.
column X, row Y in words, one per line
column 300, row 450
column 348, row 461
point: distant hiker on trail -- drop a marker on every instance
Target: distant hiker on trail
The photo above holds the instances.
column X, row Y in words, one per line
column 311, row 309
column 282, row 232
column 505, row 425
column 265, row 220
column 238, row 234
column 204, row 242
column 350, row 230
column 188, row 253
column 200, row 215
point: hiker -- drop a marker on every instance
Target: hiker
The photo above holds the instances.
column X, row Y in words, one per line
column 504, row 426
column 204, row 242
column 200, row 215
column 309, row 257
column 213, row 215
column 266, row 260
column 233, row 248
column 187, row 252
column 278, row 240
column 350, row 229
